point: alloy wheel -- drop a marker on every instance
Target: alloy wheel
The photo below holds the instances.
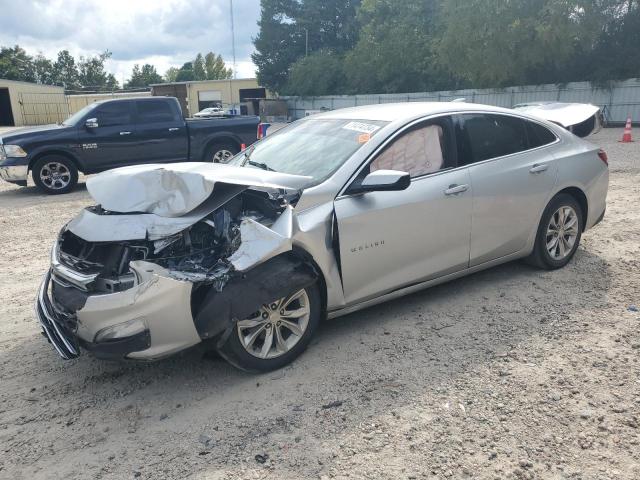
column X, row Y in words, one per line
column 562, row 232
column 277, row 327
column 55, row 175
column 221, row 156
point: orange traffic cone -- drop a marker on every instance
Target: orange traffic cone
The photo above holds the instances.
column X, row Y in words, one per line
column 626, row 136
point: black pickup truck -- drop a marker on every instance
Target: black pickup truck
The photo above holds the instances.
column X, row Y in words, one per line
column 115, row 133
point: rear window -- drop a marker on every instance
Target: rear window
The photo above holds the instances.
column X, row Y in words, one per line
column 154, row 111
column 486, row 136
column 539, row 135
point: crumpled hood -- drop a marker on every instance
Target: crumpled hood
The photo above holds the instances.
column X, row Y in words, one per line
column 173, row 190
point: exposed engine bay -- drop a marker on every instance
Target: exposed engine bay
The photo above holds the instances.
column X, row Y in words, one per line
column 200, row 253
column 196, row 243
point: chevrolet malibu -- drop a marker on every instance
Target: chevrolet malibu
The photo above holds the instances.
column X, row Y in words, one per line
column 334, row 213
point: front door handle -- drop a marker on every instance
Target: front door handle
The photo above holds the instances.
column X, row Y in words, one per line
column 538, row 168
column 174, row 129
column 125, row 133
column 456, row 189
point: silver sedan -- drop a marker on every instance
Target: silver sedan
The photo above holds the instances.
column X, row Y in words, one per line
column 334, row 213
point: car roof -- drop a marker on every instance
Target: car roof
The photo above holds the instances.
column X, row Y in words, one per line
column 145, row 98
column 390, row 112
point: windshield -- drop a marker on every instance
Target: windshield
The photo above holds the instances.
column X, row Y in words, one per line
column 314, row 148
column 76, row 117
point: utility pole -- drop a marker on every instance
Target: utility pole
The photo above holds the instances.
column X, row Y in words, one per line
column 306, row 42
column 233, row 39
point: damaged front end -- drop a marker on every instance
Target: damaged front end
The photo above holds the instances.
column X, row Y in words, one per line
column 148, row 280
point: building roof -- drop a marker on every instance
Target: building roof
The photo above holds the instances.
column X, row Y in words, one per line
column 203, row 81
column 31, row 84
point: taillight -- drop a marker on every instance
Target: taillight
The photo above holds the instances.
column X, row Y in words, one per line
column 603, row 156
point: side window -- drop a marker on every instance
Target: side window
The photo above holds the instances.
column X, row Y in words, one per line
column 154, row 111
column 112, row 114
column 426, row 148
column 539, row 135
column 486, row 136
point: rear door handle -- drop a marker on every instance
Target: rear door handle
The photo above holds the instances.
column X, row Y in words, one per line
column 456, row 189
column 538, row 168
column 125, row 133
column 174, row 129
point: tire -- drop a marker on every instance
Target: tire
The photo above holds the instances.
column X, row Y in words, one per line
column 220, row 152
column 55, row 174
column 238, row 355
column 542, row 255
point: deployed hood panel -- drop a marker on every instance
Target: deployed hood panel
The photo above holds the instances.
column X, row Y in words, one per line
column 94, row 227
column 567, row 115
column 173, row 190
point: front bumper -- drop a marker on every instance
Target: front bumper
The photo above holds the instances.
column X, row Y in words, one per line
column 14, row 173
column 161, row 303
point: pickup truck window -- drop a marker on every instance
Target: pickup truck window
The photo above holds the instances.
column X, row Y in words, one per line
column 315, row 148
column 154, row 111
column 113, row 114
column 73, row 120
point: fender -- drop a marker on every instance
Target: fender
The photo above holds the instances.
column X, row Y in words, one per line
column 69, row 152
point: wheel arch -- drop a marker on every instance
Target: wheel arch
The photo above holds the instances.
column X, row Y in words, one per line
column 221, row 139
column 322, row 283
column 62, row 153
column 582, row 200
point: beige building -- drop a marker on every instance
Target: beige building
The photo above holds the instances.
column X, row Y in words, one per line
column 197, row 95
column 24, row 103
column 78, row 102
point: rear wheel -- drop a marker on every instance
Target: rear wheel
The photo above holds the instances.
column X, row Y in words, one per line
column 559, row 233
column 276, row 334
column 55, row 174
column 220, row 152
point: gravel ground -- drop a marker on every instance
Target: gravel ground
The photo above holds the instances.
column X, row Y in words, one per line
column 509, row 373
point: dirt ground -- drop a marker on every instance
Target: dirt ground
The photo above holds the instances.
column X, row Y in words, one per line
column 509, row 373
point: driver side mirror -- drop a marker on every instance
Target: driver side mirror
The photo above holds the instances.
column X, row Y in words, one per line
column 381, row 181
column 91, row 123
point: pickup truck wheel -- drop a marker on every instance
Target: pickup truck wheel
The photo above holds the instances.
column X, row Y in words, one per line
column 276, row 334
column 220, row 152
column 54, row 174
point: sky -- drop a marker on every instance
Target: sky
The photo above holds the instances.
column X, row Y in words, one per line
column 164, row 33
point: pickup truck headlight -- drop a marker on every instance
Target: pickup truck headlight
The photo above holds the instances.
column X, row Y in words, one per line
column 14, row 151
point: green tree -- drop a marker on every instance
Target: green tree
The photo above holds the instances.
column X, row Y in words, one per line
column 171, row 74
column 215, row 67
column 198, row 68
column 91, row 74
column 186, row 73
column 65, row 71
column 395, row 50
column 285, row 26
column 43, row 68
column 143, row 77
column 15, row 64
column 321, row 73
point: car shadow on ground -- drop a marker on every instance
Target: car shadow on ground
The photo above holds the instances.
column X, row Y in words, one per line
column 500, row 294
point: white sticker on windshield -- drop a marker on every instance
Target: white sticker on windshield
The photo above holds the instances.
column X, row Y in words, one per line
column 361, row 127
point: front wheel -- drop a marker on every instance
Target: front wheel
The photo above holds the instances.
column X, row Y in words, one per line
column 55, row 174
column 220, row 152
column 276, row 334
column 558, row 234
